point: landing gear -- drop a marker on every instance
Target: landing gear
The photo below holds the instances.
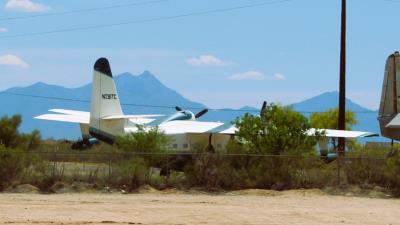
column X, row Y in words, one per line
column 82, row 145
column 210, row 147
column 392, row 151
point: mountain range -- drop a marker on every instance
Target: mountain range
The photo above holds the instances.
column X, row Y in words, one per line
column 140, row 94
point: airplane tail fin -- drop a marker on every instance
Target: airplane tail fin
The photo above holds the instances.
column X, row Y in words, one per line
column 390, row 97
column 104, row 103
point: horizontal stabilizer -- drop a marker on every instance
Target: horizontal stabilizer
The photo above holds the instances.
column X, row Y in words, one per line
column 64, row 118
column 342, row 133
column 395, row 122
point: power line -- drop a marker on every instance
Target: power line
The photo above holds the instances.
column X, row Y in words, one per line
column 82, row 10
column 212, row 11
column 155, row 106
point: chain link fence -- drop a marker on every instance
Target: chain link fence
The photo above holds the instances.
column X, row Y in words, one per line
column 183, row 170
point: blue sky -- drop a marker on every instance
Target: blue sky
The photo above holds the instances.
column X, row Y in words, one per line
column 283, row 52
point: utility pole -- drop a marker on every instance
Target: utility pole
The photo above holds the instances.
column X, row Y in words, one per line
column 342, row 82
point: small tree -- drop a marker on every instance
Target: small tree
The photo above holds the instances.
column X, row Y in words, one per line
column 9, row 130
column 136, row 170
column 144, row 141
column 278, row 130
column 11, row 138
column 329, row 120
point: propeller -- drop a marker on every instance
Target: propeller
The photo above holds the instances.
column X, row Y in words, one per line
column 198, row 115
column 201, row 113
column 263, row 107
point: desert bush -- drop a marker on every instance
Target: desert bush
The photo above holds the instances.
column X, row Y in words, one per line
column 176, row 179
column 215, row 171
column 18, row 166
column 148, row 144
column 366, row 166
column 131, row 173
column 311, row 172
column 393, row 174
column 156, row 180
column 205, row 170
column 11, row 165
column 365, row 171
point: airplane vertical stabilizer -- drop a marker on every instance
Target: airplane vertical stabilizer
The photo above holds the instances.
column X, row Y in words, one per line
column 105, row 103
column 390, row 101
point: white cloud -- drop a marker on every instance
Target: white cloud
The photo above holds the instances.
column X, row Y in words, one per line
column 278, row 76
column 3, row 30
column 207, row 60
column 249, row 75
column 26, row 6
column 256, row 75
column 12, row 60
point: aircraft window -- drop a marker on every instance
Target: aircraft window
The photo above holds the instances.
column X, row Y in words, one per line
column 175, row 145
column 185, row 145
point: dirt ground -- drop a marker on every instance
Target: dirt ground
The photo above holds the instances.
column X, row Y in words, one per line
column 172, row 207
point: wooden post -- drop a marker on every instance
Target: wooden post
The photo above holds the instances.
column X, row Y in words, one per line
column 342, row 82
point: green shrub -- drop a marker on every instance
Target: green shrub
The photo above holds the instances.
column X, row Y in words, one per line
column 11, row 166
column 130, row 173
column 10, row 137
column 18, row 166
column 393, row 174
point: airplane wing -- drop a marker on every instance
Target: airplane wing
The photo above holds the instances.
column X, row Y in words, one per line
column 64, row 118
column 177, row 127
column 342, row 133
column 196, row 127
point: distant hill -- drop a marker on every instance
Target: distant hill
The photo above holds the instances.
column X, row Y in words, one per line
column 367, row 119
column 140, row 90
column 326, row 101
column 143, row 93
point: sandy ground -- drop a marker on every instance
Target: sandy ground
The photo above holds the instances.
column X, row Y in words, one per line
column 242, row 207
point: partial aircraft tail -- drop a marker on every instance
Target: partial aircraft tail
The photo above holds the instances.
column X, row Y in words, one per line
column 105, row 104
column 390, row 99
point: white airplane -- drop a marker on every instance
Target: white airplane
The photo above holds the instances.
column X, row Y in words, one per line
column 389, row 110
column 106, row 121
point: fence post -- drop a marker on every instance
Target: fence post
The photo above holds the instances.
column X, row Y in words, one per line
column 167, row 168
column 54, row 164
column 339, row 165
column 109, row 170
